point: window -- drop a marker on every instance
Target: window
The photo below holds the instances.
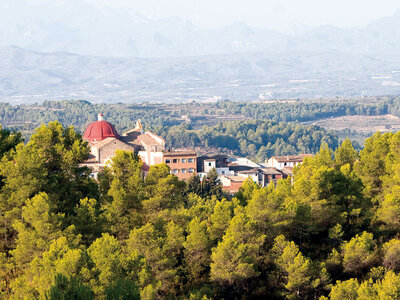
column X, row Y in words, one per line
column 209, row 164
column 175, row 160
column 190, row 160
column 184, row 171
column 176, row 171
column 167, row 161
column 183, row 160
column 223, row 172
column 191, row 170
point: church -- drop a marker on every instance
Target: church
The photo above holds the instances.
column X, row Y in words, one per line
column 104, row 140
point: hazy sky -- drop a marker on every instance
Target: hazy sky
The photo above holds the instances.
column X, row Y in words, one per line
column 276, row 14
column 282, row 15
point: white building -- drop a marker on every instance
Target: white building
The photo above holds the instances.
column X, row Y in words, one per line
column 288, row 161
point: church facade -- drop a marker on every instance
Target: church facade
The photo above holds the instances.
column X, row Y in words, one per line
column 104, row 140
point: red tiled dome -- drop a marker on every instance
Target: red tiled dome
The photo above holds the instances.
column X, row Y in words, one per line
column 100, row 130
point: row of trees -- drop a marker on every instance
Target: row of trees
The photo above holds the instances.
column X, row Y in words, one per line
column 330, row 231
column 80, row 113
column 302, row 111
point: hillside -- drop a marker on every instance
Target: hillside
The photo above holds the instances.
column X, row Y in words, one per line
column 28, row 76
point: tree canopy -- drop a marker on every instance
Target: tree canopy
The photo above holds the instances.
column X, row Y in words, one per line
column 330, row 231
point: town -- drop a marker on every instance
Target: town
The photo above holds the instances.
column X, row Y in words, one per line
column 104, row 141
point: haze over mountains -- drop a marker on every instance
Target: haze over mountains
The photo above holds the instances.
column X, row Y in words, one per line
column 83, row 28
column 125, row 56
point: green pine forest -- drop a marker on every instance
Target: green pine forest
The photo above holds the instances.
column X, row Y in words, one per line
column 257, row 130
column 255, row 138
column 330, row 232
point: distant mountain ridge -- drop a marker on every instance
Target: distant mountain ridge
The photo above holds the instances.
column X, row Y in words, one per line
column 80, row 27
column 28, row 76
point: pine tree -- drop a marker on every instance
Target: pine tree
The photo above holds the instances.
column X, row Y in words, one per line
column 234, row 260
column 126, row 193
column 213, row 186
column 8, row 140
column 359, row 254
column 194, row 185
column 122, row 289
column 109, row 261
column 37, row 228
column 197, row 249
column 69, row 289
column 220, row 219
column 293, row 266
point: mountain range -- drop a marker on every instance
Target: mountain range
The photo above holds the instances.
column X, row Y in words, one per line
column 28, row 76
column 76, row 50
column 80, row 27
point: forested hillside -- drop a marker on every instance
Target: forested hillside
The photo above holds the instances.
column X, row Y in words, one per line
column 331, row 231
column 256, row 139
column 80, row 113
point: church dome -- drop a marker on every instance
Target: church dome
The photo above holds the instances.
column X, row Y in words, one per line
column 100, row 130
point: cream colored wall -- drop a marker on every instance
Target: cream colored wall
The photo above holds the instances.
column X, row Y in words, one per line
column 108, row 150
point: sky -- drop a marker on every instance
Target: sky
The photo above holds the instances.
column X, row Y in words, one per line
column 281, row 15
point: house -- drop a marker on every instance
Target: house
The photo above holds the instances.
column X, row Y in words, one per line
column 281, row 162
column 183, row 163
column 253, row 173
column 270, row 174
column 206, row 163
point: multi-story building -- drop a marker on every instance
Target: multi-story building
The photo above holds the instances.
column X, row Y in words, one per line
column 183, row 163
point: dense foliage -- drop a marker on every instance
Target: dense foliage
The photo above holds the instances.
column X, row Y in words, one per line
column 256, row 139
column 80, row 113
column 299, row 111
column 331, row 231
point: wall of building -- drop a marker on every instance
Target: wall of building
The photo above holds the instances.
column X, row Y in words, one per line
column 233, row 187
column 107, row 151
column 150, row 158
column 180, row 165
column 209, row 164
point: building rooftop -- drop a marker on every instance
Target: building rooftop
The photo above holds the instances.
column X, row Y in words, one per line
column 242, row 161
column 100, row 130
column 179, row 153
column 288, row 171
column 147, row 139
column 103, row 142
column 250, row 171
column 236, row 178
column 270, row 171
column 291, row 158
